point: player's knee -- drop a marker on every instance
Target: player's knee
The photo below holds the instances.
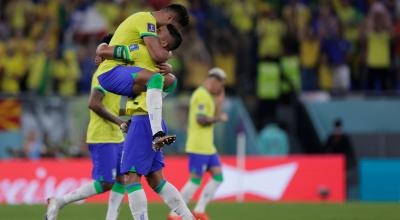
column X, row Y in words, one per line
column 170, row 83
column 156, row 82
column 195, row 179
column 158, row 186
column 106, row 186
column 218, row 177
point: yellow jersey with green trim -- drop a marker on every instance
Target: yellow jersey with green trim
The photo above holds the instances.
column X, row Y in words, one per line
column 130, row 32
column 200, row 139
column 101, row 130
column 141, row 58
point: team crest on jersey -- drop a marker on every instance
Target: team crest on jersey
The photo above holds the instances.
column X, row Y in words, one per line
column 151, row 27
column 134, row 47
column 201, row 107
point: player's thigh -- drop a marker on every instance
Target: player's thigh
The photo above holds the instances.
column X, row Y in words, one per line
column 216, row 170
column 197, row 164
column 143, row 76
column 214, row 165
column 155, row 178
column 120, row 80
column 131, row 177
column 104, row 162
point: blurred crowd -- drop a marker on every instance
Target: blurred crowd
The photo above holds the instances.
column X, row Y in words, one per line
column 268, row 48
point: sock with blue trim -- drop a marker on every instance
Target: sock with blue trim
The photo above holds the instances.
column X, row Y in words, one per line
column 137, row 201
column 173, row 199
column 114, row 202
column 83, row 192
column 208, row 193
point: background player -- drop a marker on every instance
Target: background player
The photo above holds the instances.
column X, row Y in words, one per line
column 205, row 110
column 105, row 144
column 140, row 28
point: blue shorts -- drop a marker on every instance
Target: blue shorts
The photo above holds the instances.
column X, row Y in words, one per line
column 200, row 163
column 119, row 80
column 106, row 160
column 138, row 155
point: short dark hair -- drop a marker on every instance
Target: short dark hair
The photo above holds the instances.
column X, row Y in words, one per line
column 106, row 39
column 175, row 35
column 181, row 12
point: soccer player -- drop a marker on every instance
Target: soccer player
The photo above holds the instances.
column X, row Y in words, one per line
column 140, row 28
column 205, row 110
column 139, row 159
column 105, row 144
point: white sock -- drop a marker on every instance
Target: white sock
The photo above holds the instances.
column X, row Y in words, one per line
column 206, row 195
column 137, row 201
column 188, row 191
column 154, row 108
column 82, row 192
column 114, row 202
column 173, row 199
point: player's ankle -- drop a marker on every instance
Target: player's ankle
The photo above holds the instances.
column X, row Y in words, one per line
column 158, row 134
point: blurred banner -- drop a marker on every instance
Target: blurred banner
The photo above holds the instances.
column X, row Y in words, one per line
column 380, row 180
column 10, row 115
column 296, row 178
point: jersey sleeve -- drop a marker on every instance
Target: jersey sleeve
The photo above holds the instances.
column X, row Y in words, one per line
column 147, row 26
column 199, row 105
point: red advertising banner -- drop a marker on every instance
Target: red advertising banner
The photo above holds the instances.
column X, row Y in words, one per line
column 294, row 178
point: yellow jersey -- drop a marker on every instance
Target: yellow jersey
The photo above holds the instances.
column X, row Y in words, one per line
column 200, row 139
column 378, row 49
column 131, row 31
column 141, row 58
column 101, row 130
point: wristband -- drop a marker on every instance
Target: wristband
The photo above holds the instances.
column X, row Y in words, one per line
column 122, row 53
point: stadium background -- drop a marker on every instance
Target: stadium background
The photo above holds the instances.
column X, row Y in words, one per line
column 293, row 67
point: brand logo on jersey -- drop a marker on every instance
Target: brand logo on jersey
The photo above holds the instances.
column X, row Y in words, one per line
column 151, row 27
column 134, row 47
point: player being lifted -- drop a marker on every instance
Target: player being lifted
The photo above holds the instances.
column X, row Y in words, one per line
column 140, row 28
column 205, row 110
column 103, row 131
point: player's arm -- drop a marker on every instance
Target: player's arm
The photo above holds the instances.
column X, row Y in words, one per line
column 156, row 51
column 205, row 120
column 219, row 116
column 119, row 52
column 96, row 105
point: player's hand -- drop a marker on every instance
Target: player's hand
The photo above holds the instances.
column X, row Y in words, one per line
column 98, row 60
column 223, row 117
column 124, row 126
column 101, row 47
column 165, row 68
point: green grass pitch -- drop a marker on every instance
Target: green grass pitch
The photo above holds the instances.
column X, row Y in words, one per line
column 224, row 211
